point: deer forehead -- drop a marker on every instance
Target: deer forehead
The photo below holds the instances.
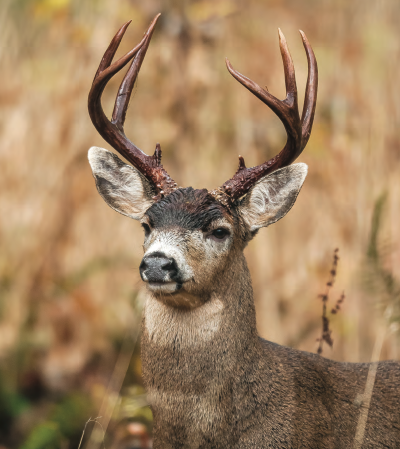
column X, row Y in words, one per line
column 187, row 209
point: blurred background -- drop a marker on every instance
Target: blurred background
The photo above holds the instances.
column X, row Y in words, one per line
column 70, row 292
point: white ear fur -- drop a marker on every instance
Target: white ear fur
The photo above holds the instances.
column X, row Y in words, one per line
column 122, row 187
column 273, row 196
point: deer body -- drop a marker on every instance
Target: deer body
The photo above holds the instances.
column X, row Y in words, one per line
column 212, row 382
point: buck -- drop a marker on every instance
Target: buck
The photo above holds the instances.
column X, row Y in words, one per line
column 212, row 382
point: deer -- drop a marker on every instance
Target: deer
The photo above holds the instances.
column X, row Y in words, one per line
column 211, row 380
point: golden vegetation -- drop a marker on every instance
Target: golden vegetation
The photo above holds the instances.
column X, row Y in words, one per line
column 69, row 278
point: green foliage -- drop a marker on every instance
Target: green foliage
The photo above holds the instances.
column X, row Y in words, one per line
column 12, row 405
column 72, row 414
column 134, row 406
column 45, row 436
column 379, row 279
column 66, row 422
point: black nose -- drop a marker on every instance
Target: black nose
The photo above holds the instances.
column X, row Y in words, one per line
column 158, row 268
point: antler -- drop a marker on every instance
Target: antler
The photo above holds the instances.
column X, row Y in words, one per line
column 113, row 131
column 298, row 131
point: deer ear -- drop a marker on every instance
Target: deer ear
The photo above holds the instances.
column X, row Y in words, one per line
column 122, row 187
column 273, row 196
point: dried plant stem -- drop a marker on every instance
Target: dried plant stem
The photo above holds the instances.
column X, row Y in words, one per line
column 369, row 386
column 113, row 389
column 114, row 386
column 326, row 332
column 84, row 429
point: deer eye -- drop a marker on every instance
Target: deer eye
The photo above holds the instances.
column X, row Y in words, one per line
column 220, row 234
column 146, row 228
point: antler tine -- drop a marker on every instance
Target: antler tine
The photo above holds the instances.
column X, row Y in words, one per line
column 113, row 47
column 106, row 71
column 310, row 99
column 125, row 89
column 272, row 102
column 298, row 130
column 113, row 131
column 288, row 67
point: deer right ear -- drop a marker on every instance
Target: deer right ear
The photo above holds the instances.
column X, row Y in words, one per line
column 122, row 187
column 273, row 196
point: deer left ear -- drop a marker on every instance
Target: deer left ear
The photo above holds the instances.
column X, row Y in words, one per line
column 122, row 187
column 273, row 196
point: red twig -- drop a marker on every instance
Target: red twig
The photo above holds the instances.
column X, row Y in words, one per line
column 326, row 335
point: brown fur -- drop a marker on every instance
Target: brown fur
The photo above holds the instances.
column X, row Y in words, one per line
column 237, row 390
column 212, row 382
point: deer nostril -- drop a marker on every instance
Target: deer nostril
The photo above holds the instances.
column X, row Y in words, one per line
column 155, row 268
column 172, row 268
column 167, row 265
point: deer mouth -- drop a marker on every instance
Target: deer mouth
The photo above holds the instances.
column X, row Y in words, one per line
column 175, row 294
column 164, row 287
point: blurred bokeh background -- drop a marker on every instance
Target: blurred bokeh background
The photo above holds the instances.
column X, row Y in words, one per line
column 70, row 292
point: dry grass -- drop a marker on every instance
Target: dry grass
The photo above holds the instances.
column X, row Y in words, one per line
column 68, row 264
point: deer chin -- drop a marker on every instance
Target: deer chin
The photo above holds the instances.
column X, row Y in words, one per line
column 174, row 294
column 163, row 288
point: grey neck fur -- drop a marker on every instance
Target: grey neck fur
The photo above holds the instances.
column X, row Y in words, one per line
column 213, row 383
column 191, row 361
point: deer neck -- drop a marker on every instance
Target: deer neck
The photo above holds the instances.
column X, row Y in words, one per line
column 192, row 360
column 226, row 319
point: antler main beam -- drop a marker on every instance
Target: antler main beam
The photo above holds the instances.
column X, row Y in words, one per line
column 298, row 130
column 113, row 131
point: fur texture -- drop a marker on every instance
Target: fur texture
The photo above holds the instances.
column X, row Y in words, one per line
column 122, row 187
column 187, row 209
column 273, row 196
column 212, row 382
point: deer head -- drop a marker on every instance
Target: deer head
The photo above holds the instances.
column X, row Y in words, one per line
column 193, row 236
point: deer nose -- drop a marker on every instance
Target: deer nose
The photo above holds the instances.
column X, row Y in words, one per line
column 158, row 268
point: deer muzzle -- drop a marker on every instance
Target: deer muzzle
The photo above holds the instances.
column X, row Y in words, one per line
column 158, row 269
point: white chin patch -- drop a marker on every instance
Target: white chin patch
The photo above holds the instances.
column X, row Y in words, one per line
column 168, row 326
column 162, row 287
